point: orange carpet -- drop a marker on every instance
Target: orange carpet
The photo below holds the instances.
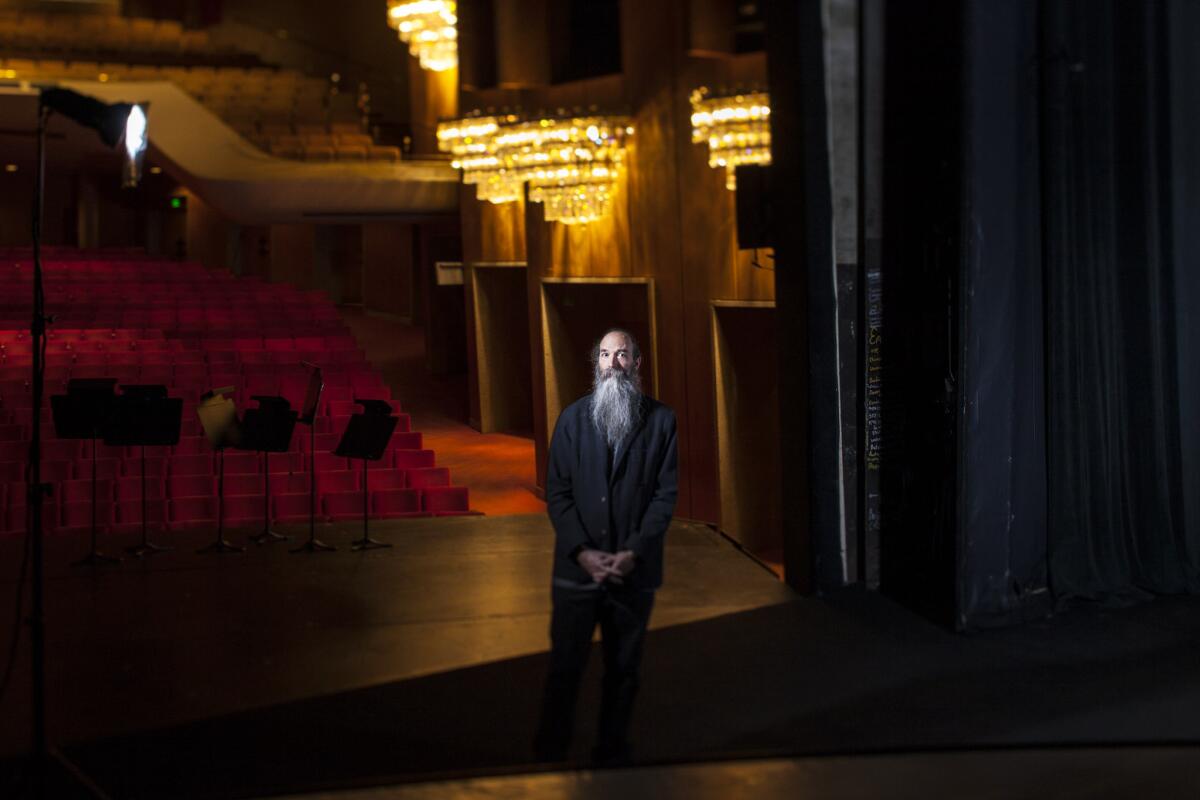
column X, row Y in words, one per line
column 497, row 468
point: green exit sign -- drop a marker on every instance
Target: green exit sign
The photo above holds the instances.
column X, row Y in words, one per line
column 178, row 202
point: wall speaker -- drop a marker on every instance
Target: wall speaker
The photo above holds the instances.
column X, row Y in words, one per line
column 755, row 216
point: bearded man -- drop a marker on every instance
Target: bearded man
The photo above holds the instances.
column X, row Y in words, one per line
column 610, row 493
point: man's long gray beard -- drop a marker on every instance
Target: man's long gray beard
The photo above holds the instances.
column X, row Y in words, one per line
column 616, row 404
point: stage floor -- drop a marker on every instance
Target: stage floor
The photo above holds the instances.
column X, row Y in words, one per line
column 263, row 673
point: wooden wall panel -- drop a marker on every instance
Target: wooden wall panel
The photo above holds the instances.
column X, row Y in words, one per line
column 675, row 222
column 292, row 249
column 387, row 258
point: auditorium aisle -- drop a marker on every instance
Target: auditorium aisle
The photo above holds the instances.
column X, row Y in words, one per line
column 497, row 468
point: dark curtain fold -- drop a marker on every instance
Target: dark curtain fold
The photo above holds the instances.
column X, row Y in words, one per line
column 1115, row 481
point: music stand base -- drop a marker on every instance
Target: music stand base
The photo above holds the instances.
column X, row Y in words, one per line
column 266, row 537
column 145, row 549
column 95, row 558
column 367, row 543
column 313, row 546
column 221, row 546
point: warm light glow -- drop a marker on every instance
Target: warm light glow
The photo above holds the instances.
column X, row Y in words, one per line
column 429, row 29
column 736, row 127
column 572, row 165
column 156, row 170
column 10, row 167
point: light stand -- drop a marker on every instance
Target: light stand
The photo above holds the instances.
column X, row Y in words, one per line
column 110, row 122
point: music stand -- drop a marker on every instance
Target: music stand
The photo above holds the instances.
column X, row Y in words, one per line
column 144, row 416
column 83, row 413
column 367, row 437
column 268, row 429
column 218, row 417
column 308, row 416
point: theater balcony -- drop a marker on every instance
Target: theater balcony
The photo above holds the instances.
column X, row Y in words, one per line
column 245, row 183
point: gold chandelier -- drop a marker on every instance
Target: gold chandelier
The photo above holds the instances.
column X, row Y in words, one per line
column 736, row 127
column 572, row 165
column 429, row 29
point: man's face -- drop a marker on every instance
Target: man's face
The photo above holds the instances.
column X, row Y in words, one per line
column 615, row 354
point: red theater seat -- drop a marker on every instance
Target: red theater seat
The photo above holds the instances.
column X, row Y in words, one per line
column 251, row 484
column 198, row 464
column 412, row 440
column 131, row 488
column 445, row 500
column 412, row 459
column 426, row 477
column 387, row 479
column 394, row 503
column 291, row 508
column 243, row 510
column 337, row 481
column 238, row 463
column 106, row 468
column 78, row 516
column 80, row 491
column 129, row 514
column 191, row 486
column 342, row 506
column 191, row 512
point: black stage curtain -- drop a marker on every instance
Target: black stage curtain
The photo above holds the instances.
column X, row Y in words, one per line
column 1118, row 293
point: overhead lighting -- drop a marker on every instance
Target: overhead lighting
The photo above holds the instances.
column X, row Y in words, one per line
column 429, row 28
column 572, row 165
column 736, row 127
column 470, row 142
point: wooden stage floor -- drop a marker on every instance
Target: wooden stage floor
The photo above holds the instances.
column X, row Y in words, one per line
column 266, row 673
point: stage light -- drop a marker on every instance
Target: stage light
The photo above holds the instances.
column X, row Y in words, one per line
column 736, row 127
column 116, row 123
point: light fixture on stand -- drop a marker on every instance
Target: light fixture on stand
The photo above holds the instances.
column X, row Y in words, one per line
column 737, row 128
column 116, row 123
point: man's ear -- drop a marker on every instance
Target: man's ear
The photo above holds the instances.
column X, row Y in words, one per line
column 637, row 363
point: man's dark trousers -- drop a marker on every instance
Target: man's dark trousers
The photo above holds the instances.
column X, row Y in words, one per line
column 623, row 615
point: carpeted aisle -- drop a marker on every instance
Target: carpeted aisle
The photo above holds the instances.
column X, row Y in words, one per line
column 497, row 468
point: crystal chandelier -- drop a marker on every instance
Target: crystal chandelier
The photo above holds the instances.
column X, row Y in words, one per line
column 470, row 143
column 572, row 165
column 736, row 127
column 428, row 28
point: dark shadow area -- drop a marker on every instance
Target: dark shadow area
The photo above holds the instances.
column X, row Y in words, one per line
column 856, row 674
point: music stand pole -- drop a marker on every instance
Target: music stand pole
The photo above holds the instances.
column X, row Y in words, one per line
column 145, row 547
column 313, row 545
column 366, row 542
column 267, row 534
column 221, row 545
column 94, row 556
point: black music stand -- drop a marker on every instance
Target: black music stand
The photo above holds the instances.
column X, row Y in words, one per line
column 144, row 416
column 83, row 413
column 268, row 429
column 366, row 437
column 218, row 417
column 308, row 416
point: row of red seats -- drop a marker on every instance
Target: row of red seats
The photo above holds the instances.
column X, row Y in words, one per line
column 184, row 513
column 161, row 465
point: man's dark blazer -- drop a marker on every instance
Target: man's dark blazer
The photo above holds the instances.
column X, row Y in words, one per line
column 637, row 501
